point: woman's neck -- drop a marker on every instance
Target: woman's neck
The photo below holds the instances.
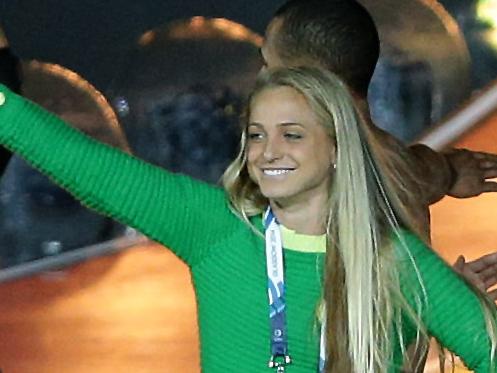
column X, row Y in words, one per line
column 308, row 217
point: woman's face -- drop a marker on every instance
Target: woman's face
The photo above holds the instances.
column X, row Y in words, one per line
column 290, row 156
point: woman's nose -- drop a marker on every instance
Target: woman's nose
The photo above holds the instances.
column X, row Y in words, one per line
column 272, row 150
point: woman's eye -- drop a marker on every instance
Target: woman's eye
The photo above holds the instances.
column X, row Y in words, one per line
column 293, row 136
column 255, row 136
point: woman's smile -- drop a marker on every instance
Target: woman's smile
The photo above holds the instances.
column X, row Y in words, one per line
column 277, row 171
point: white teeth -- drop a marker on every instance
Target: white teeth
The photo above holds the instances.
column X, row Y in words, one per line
column 276, row 172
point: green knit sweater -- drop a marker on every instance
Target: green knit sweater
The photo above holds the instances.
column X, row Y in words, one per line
column 226, row 258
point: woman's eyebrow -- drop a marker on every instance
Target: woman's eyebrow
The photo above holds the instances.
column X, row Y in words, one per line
column 255, row 124
column 289, row 124
column 281, row 124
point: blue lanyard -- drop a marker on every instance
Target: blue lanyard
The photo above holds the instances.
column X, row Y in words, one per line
column 280, row 356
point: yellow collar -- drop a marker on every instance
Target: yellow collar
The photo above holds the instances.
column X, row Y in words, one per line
column 303, row 242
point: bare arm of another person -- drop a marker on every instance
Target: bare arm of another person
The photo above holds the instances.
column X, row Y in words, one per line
column 459, row 173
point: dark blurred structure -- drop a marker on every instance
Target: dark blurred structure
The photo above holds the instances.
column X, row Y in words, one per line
column 181, row 92
column 37, row 218
column 424, row 68
column 92, row 37
column 478, row 22
column 401, row 96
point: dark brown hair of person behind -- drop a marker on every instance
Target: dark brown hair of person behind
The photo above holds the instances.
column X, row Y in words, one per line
column 340, row 35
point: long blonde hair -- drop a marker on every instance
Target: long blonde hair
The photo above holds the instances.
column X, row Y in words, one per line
column 368, row 208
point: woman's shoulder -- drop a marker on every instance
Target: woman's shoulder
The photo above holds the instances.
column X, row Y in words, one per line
column 407, row 243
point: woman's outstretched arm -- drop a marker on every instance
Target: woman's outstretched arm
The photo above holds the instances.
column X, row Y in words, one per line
column 451, row 310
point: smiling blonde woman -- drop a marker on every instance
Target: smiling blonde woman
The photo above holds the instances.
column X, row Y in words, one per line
column 307, row 260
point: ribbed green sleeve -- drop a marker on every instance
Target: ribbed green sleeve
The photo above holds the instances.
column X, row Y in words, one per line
column 451, row 311
column 174, row 210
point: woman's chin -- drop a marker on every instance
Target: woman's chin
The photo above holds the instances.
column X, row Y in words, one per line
column 272, row 194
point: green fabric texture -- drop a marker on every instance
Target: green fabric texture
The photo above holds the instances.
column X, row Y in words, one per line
column 226, row 258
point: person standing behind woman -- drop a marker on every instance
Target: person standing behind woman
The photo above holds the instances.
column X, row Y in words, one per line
column 308, row 163
column 341, row 36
